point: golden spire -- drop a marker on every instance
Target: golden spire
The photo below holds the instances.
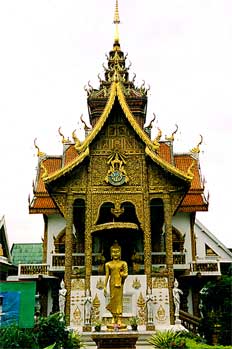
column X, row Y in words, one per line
column 116, row 22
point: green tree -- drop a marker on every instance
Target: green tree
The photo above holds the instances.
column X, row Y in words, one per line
column 216, row 309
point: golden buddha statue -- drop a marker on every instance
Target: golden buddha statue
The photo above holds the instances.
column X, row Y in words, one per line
column 117, row 270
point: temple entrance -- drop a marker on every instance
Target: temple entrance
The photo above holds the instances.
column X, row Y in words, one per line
column 130, row 240
column 157, row 225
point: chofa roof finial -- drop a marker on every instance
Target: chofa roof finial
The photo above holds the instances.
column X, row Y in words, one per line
column 196, row 149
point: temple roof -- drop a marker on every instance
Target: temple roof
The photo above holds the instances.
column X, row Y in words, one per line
column 117, row 70
column 117, row 91
column 27, row 253
column 117, row 87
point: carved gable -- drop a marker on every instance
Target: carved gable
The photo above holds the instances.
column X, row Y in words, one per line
column 117, row 146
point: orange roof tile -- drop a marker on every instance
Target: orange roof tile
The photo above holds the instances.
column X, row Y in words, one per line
column 193, row 202
column 70, row 154
column 42, row 202
column 51, row 164
column 183, row 162
column 42, row 205
column 165, row 152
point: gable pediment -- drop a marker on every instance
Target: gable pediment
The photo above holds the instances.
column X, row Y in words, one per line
column 117, row 129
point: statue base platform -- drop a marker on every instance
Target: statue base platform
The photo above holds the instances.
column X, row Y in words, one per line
column 87, row 328
column 116, row 328
column 150, row 327
column 115, row 340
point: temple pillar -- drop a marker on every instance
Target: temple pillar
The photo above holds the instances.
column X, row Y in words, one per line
column 169, row 251
column 88, row 235
column 88, row 258
column 45, row 239
column 147, row 245
column 68, row 254
column 147, row 230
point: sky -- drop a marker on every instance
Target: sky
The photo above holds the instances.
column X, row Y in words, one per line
column 50, row 49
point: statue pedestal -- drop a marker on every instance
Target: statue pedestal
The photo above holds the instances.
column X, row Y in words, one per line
column 115, row 340
column 150, row 327
column 87, row 328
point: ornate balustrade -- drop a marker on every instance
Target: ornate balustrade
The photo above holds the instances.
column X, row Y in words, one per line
column 58, row 260
column 189, row 321
column 32, row 269
column 205, row 268
column 159, row 258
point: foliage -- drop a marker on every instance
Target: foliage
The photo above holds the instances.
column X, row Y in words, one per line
column 74, row 341
column 167, row 340
column 15, row 337
column 97, row 325
column 134, row 320
column 216, row 308
column 192, row 344
column 51, row 330
column 180, row 340
column 51, row 346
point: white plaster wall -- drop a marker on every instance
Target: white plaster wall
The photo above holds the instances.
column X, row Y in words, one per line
column 55, row 224
column 181, row 221
column 204, row 237
column 128, row 290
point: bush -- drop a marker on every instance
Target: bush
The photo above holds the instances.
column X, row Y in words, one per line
column 191, row 344
column 74, row 341
column 216, row 308
column 14, row 337
column 50, row 332
column 167, row 340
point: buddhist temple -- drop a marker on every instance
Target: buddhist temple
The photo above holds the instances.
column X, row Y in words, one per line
column 122, row 184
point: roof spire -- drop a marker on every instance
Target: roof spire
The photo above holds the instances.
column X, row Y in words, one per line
column 116, row 22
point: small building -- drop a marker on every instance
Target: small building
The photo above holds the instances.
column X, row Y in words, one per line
column 6, row 265
column 28, row 257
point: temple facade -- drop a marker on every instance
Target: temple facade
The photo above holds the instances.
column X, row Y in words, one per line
column 120, row 184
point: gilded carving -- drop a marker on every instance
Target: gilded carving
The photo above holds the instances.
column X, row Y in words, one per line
column 78, row 284
column 100, row 284
column 96, row 309
column 136, row 283
column 161, row 314
column 117, row 210
column 141, row 303
column 160, row 282
column 77, row 315
column 116, row 174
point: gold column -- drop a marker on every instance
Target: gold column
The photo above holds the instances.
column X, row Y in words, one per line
column 147, row 229
column 88, row 235
column 45, row 239
column 169, row 251
column 68, row 254
column 88, row 258
column 147, row 243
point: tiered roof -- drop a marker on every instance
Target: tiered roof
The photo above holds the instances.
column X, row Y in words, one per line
column 118, row 88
